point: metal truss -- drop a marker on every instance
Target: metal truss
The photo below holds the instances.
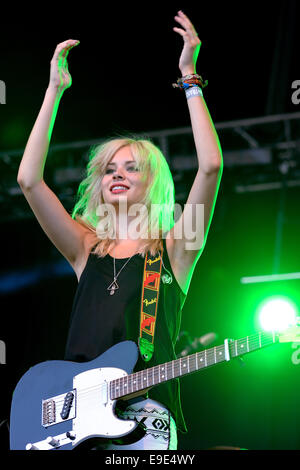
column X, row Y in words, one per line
column 259, row 154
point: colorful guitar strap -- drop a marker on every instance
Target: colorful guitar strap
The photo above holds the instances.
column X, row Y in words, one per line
column 149, row 304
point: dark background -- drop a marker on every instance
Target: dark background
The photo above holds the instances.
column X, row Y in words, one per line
column 122, row 74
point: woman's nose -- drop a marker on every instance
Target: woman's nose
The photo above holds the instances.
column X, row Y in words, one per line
column 118, row 173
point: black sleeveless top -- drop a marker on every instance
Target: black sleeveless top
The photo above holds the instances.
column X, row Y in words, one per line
column 100, row 320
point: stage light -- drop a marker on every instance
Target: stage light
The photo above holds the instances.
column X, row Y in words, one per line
column 277, row 314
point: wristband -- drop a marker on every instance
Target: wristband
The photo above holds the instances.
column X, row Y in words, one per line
column 193, row 91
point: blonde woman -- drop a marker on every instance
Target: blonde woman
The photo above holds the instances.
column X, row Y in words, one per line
column 124, row 210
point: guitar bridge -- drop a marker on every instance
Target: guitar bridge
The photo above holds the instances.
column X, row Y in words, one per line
column 48, row 412
column 57, row 409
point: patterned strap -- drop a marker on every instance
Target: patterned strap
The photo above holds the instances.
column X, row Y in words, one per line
column 149, row 304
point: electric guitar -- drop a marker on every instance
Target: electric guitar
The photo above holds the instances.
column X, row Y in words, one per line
column 62, row 404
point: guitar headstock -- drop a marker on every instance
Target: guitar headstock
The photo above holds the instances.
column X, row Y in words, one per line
column 290, row 335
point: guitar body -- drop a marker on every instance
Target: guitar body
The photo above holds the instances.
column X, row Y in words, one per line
column 36, row 410
column 61, row 404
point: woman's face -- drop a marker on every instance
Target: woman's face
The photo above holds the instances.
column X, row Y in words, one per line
column 122, row 179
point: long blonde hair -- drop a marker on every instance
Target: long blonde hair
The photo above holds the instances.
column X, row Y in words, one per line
column 159, row 197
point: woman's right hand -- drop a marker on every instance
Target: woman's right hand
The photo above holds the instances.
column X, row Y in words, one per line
column 60, row 78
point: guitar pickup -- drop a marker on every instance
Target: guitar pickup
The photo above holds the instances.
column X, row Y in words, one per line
column 60, row 408
column 67, row 405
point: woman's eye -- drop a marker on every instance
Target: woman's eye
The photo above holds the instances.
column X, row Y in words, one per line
column 129, row 168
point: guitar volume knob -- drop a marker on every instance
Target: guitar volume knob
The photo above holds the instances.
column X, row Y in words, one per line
column 52, row 441
column 30, row 446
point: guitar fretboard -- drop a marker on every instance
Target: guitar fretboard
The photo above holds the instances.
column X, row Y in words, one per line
column 186, row 365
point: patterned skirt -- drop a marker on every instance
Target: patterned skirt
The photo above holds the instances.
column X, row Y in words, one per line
column 156, row 428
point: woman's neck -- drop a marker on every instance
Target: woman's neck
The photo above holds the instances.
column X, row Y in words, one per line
column 125, row 248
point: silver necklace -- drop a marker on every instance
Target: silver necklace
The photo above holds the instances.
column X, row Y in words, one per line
column 114, row 285
column 166, row 278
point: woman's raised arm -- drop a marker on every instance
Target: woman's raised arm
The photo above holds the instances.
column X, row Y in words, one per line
column 32, row 164
column 186, row 250
column 65, row 233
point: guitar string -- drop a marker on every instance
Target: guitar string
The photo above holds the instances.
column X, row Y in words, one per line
column 177, row 365
column 156, row 370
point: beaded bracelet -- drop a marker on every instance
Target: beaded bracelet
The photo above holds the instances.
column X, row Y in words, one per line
column 190, row 80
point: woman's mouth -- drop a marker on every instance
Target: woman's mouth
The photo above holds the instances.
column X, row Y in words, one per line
column 118, row 188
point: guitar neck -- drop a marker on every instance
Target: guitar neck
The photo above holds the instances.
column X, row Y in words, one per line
column 156, row 375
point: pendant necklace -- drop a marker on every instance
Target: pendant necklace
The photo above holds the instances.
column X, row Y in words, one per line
column 114, row 285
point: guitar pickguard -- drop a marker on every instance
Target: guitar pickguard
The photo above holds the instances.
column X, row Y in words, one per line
column 94, row 409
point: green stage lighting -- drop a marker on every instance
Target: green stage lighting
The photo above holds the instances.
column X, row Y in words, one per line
column 277, row 314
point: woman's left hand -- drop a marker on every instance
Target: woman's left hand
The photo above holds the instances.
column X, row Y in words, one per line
column 191, row 47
